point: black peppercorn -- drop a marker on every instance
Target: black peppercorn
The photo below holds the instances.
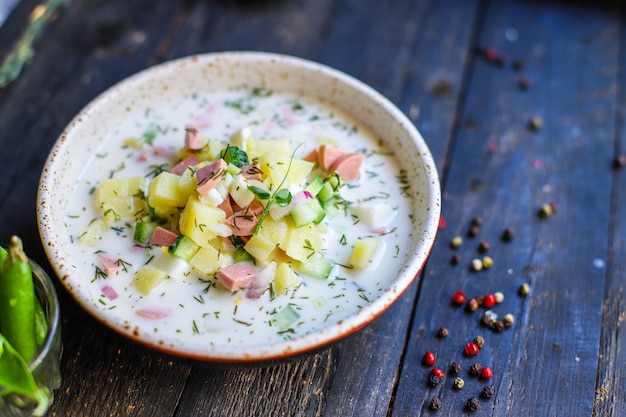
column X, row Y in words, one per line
column 475, row 369
column 497, row 326
column 518, row 64
column 487, row 392
column 524, row 83
column 473, row 231
column 507, row 234
column 473, row 404
column 483, row 246
column 433, row 380
column 442, row 332
column 455, row 368
column 477, row 221
column 456, row 258
column 435, row 404
column 619, row 161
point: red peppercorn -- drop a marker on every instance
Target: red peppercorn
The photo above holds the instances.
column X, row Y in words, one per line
column 429, row 358
column 471, row 349
column 438, row 373
column 459, row 297
column 489, row 300
column 486, row 373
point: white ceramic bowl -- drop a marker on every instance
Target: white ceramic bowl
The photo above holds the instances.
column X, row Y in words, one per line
column 91, row 128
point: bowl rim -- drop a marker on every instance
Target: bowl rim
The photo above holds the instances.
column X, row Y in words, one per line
column 284, row 349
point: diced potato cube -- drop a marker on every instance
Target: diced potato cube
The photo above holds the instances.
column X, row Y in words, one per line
column 364, row 250
column 239, row 191
column 164, row 193
column 278, row 166
column 241, row 139
column 148, row 278
column 119, row 208
column 94, row 232
column 119, row 187
column 275, row 231
column 260, row 247
column 285, row 278
column 195, row 221
column 257, row 147
column 208, row 260
column 302, row 242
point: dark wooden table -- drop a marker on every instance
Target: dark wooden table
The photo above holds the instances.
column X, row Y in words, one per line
column 471, row 75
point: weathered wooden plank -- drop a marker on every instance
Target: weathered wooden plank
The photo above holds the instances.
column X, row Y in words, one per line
column 611, row 380
column 544, row 364
column 89, row 47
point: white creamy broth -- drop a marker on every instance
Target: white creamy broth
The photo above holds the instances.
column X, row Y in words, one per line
column 190, row 307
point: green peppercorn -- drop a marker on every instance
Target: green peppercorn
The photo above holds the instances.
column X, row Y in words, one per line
column 458, row 383
column 487, row 262
column 456, row 242
column 545, row 211
column 535, row 123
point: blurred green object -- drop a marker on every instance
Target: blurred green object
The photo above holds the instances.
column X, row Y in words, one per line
column 23, row 51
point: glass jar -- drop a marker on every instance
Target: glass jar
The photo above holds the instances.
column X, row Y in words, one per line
column 45, row 366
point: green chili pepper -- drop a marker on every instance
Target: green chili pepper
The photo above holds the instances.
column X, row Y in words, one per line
column 3, row 256
column 17, row 301
column 16, row 379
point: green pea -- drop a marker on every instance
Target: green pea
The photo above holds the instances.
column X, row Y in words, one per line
column 17, row 301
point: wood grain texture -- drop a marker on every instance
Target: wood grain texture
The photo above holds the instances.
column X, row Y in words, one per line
column 507, row 173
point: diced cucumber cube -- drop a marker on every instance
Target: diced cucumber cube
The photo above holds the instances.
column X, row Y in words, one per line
column 317, row 266
column 240, row 255
column 285, row 318
column 184, row 248
column 315, row 186
column 143, row 232
column 311, row 212
column 326, row 192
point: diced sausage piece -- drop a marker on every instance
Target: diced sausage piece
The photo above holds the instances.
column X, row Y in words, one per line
column 242, row 223
column 256, row 208
column 162, row 237
column 252, row 172
column 227, row 206
column 193, row 141
column 328, row 155
column 143, row 156
column 210, row 175
column 313, row 156
column 348, row 166
column 184, row 164
column 109, row 266
column 236, row 276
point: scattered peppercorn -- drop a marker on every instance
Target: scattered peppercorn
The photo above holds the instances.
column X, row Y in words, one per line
column 471, row 349
column 475, row 369
column 458, row 297
column 433, row 380
column 456, row 242
column 497, row 326
column 489, row 300
column 545, row 211
column 442, row 332
column 524, row 83
column 429, row 359
column 456, row 258
column 507, row 234
column 499, row 297
column 480, row 341
column 472, row 404
column 518, row 64
column 535, row 123
column 477, row 221
column 508, row 320
column 473, row 231
column 477, row 264
column 619, row 161
column 554, row 206
column 472, row 305
column 435, row 404
column 437, row 372
column 487, row 262
column 458, row 383
column 487, row 392
column 524, row 289
column 483, row 246
column 488, row 317
column 455, row 368
column 486, row 373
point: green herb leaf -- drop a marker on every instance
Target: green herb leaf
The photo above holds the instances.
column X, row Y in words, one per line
column 234, row 155
column 260, row 193
column 283, row 197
